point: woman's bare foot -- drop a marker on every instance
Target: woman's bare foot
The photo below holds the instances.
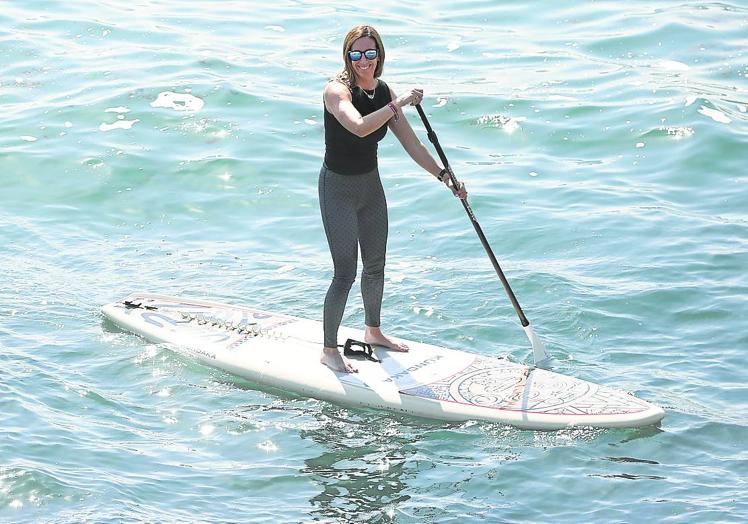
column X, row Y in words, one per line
column 375, row 337
column 332, row 359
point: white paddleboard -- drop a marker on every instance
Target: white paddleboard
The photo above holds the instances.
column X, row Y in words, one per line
column 429, row 381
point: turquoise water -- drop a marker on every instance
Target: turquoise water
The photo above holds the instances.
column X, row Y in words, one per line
column 174, row 146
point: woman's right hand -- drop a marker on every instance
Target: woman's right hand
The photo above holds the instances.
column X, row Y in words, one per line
column 413, row 97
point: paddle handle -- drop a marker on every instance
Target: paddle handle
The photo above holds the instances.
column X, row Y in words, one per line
column 469, row 210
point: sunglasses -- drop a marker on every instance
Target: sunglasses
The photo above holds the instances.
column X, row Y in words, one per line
column 370, row 54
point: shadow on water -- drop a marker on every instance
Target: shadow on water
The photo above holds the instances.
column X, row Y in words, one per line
column 642, row 433
column 108, row 326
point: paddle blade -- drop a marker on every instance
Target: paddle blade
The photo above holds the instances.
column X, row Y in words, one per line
column 539, row 353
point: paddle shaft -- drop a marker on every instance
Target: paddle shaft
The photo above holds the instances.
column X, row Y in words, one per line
column 469, row 210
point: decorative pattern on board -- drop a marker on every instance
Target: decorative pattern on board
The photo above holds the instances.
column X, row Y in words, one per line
column 214, row 323
column 499, row 384
column 482, row 383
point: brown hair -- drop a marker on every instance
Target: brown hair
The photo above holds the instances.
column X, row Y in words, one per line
column 347, row 76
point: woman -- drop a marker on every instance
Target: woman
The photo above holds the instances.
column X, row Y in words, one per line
column 359, row 107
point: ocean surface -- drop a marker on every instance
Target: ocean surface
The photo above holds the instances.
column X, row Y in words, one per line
column 174, row 146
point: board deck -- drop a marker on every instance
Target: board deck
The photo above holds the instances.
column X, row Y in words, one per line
column 428, row 381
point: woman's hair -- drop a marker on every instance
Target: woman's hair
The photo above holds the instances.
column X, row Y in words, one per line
column 347, row 76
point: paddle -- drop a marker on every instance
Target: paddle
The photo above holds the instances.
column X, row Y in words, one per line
column 540, row 355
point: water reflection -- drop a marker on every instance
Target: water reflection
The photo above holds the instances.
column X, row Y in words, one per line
column 364, row 471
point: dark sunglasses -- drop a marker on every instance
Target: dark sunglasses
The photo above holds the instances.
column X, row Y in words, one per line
column 370, row 54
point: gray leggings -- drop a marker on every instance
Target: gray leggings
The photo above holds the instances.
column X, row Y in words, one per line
column 354, row 212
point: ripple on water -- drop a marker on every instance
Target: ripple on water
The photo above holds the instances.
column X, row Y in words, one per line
column 172, row 147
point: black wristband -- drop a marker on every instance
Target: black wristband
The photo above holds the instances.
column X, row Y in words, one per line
column 441, row 175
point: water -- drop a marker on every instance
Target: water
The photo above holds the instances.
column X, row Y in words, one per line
column 603, row 144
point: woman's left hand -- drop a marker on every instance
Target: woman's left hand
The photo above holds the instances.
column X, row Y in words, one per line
column 458, row 191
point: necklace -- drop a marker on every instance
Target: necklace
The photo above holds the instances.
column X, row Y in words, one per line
column 373, row 92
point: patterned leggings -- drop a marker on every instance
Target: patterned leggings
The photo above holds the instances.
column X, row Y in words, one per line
column 354, row 212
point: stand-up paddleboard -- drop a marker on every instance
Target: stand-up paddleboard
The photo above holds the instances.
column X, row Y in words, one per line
column 429, row 381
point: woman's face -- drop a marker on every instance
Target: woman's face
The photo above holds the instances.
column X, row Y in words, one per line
column 364, row 68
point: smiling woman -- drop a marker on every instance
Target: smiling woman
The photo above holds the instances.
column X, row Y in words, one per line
column 359, row 107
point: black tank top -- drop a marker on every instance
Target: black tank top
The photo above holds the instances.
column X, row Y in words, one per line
column 346, row 153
